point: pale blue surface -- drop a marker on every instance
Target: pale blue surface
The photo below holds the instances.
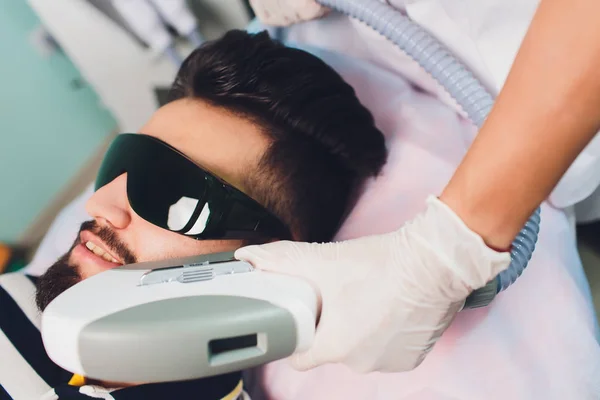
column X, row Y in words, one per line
column 48, row 129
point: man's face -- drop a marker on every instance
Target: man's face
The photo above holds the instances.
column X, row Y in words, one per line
column 225, row 144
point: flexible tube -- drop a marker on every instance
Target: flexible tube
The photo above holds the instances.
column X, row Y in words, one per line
column 460, row 83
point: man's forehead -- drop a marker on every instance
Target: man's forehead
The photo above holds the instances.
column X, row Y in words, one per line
column 216, row 139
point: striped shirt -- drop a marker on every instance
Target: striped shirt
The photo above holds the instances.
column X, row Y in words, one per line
column 27, row 373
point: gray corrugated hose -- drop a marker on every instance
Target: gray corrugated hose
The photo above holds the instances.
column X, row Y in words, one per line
column 468, row 92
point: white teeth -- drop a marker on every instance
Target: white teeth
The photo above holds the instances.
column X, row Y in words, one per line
column 109, row 258
column 99, row 252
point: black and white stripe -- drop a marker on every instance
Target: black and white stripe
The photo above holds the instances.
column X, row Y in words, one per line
column 26, row 372
column 4, row 394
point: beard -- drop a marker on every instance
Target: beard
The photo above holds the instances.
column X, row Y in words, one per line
column 58, row 278
column 63, row 274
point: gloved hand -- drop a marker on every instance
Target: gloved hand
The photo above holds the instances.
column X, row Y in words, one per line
column 286, row 12
column 386, row 299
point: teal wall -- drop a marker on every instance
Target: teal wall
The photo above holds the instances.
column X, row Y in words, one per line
column 48, row 128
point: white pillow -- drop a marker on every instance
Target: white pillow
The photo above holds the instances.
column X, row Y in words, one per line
column 61, row 235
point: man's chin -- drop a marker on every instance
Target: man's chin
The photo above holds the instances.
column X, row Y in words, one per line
column 59, row 277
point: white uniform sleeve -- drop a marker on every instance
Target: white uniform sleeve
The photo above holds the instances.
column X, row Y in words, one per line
column 486, row 35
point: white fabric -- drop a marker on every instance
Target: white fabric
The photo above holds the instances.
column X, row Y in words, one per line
column 22, row 290
column 96, row 392
column 145, row 18
column 145, row 22
column 61, row 235
column 403, row 288
column 17, row 376
column 176, row 13
column 485, row 35
column 589, row 209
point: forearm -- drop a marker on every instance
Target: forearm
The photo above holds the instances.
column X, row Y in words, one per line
column 548, row 110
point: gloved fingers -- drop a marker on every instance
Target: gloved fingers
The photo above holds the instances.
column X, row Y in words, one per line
column 270, row 12
column 310, row 9
column 261, row 9
column 315, row 356
column 276, row 257
column 286, row 257
column 294, row 258
column 385, row 299
column 304, row 361
column 441, row 218
column 324, row 348
column 286, row 12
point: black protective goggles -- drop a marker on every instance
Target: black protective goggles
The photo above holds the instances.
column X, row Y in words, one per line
column 169, row 190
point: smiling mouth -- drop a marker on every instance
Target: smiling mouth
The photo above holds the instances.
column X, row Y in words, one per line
column 97, row 250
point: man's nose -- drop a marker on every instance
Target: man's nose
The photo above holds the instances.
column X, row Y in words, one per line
column 110, row 203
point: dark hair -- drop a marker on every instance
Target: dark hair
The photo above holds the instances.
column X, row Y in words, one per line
column 324, row 142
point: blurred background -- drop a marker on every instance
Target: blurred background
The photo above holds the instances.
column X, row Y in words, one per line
column 73, row 73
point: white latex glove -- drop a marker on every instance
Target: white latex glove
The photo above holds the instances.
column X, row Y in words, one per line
column 286, row 12
column 386, row 299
